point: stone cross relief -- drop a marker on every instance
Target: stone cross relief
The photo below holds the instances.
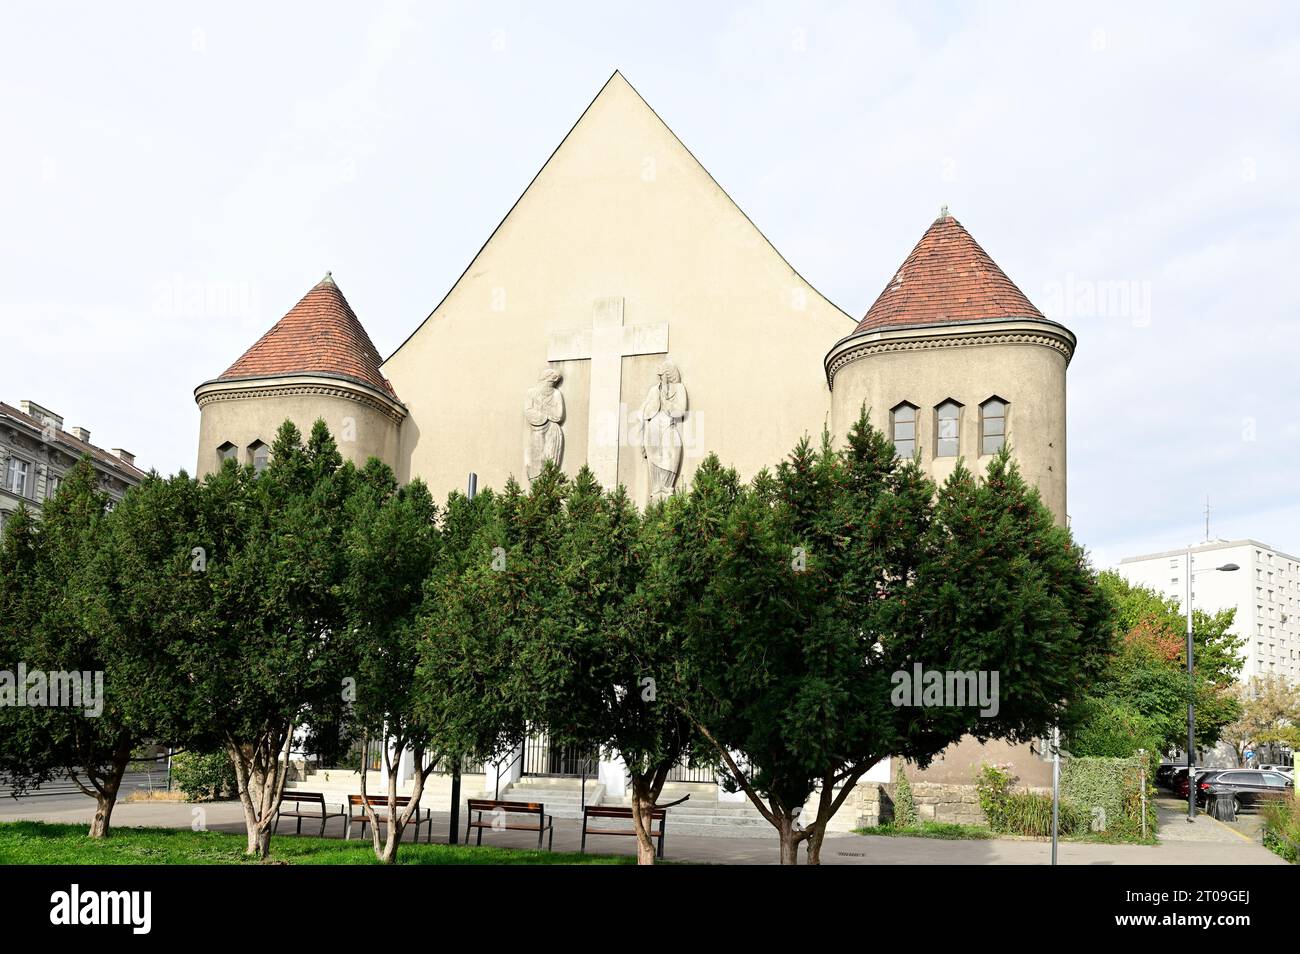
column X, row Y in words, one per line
column 605, row 343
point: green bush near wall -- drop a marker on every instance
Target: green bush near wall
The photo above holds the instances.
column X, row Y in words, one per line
column 904, row 805
column 1109, row 793
column 1011, row 811
column 204, row 776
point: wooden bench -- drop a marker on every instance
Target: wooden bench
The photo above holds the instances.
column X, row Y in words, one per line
column 299, row 799
column 499, row 822
column 659, row 815
column 421, row 816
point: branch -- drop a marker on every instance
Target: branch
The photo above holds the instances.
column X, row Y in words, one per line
column 738, row 775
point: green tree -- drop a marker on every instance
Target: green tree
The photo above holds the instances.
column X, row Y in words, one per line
column 597, row 644
column 391, row 543
column 1269, row 709
column 842, row 571
column 468, row 690
column 270, row 646
column 1143, row 691
column 48, row 589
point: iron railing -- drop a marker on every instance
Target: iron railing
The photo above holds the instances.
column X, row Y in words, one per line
column 541, row 757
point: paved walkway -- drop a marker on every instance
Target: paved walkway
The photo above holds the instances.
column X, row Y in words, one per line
column 1205, row 842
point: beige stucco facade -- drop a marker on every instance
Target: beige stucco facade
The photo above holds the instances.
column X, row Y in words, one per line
column 622, row 256
column 1021, row 362
column 621, row 211
column 244, row 412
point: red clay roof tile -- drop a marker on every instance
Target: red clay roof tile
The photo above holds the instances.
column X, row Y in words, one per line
column 948, row 277
column 321, row 334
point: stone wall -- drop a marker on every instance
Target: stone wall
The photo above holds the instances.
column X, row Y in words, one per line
column 862, row 809
column 945, row 802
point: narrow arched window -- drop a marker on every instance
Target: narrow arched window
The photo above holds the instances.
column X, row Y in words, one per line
column 902, row 423
column 258, row 455
column 225, row 452
column 947, row 417
column 993, row 425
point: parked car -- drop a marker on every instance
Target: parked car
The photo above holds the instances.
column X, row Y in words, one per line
column 1248, row 787
column 1179, row 785
column 1165, row 774
column 1284, row 769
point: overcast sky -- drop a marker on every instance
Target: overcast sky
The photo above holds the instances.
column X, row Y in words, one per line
column 174, row 177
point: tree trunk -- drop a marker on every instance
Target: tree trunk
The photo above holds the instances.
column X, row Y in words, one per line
column 790, row 838
column 645, row 793
column 261, row 776
column 815, row 836
column 106, row 790
column 642, row 805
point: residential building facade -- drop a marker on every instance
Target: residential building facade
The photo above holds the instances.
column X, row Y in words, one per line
column 1264, row 590
column 36, row 451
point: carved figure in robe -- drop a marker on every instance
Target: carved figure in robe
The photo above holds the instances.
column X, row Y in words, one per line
column 661, row 436
column 544, row 413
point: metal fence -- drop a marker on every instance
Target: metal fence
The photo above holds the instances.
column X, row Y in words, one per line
column 541, row 757
column 700, row 773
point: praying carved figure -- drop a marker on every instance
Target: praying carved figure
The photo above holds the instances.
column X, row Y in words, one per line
column 661, row 436
column 544, row 412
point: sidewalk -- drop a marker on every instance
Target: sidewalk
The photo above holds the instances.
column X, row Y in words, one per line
column 1204, row 842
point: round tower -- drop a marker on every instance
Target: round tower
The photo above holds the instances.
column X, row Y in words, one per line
column 953, row 360
column 316, row 362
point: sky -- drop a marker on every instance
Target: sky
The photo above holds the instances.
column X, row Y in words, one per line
column 174, row 177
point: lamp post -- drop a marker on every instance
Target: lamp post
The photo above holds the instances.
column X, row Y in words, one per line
column 453, row 836
column 1191, row 689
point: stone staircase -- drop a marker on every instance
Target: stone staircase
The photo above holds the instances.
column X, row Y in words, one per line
column 561, row 796
column 702, row 814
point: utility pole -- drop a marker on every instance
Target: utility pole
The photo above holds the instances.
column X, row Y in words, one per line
column 1191, row 703
column 1191, row 683
column 453, row 837
column 1056, row 787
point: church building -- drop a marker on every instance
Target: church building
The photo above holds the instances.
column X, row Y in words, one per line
column 627, row 315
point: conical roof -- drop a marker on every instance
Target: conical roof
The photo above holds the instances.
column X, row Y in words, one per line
column 947, row 278
column 320, row 335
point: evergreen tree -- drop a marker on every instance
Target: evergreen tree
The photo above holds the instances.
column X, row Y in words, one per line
column 48, row 591
column 391, row 543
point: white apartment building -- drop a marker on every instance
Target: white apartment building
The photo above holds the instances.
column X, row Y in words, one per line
column 1265, row 591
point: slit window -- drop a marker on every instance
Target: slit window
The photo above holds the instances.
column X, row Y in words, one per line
column 903, row 425
column 947, row 421
column 993, row 425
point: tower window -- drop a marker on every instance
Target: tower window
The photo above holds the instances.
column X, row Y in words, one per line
column 993, row 425
column 947, row 419
column 902, row 422
column 225, row 452
column 258, row 455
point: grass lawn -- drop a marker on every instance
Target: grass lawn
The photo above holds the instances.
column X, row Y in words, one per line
column 955, row 832
column 40, row 843
column 945, row 830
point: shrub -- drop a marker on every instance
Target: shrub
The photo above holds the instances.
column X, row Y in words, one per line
column 904, row 806
column 203, row 776
column 1109, row 793
column 1012, row 812
column 1282, row 828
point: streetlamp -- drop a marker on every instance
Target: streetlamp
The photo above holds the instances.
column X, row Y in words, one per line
column 1191, row 689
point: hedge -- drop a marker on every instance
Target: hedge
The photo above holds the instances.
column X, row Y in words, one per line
column 1109, row 792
